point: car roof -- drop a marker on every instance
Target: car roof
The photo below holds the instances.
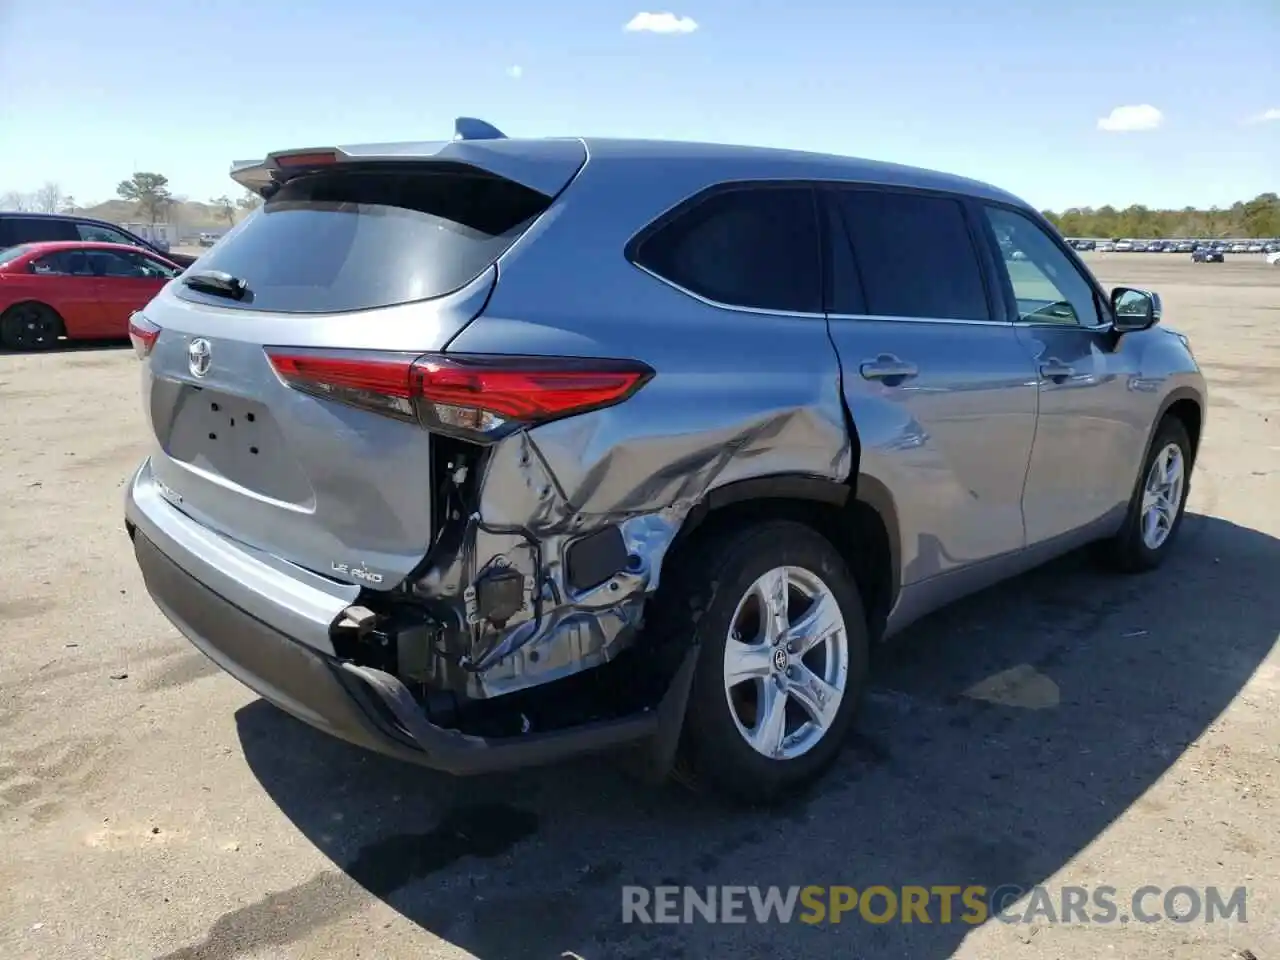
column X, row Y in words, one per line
column 73, row 217
column 708, row 162
column 746, row 162
column 53, row 246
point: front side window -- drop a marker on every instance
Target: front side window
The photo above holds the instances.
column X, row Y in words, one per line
column 1046, row 284
column 915, row 255
column 756, row 247
column 129, row 266
column 96, row 233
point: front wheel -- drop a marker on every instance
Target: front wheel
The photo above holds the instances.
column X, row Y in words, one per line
column 782, row 659
column 1159, row 501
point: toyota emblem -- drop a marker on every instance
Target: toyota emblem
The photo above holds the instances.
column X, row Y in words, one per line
column 199, row 356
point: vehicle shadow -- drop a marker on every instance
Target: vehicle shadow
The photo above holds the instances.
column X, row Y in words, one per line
column 70, row 346
column 1118, row 675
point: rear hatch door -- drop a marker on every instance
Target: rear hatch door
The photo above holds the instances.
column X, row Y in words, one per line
column 378, row 259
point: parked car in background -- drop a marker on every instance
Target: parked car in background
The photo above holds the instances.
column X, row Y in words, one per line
column 74, row 290
column 1106, row 246
column 1208, row 255
column 1124, row 246
column 1255, row 248
column 444, row 461
column 1185, row 246
column 16, row 228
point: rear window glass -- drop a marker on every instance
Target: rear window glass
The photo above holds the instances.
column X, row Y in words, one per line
column 357, row 239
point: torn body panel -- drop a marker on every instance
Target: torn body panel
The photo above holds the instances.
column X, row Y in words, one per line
column 547, row 578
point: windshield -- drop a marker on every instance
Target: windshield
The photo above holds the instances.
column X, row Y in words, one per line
column 13, row 253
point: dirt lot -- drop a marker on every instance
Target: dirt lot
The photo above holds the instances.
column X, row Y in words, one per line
column 150, row 806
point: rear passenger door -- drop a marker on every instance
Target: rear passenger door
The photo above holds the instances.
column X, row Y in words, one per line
column 941, row 391
column 65, row 281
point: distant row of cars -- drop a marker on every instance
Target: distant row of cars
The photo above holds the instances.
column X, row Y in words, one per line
column 1178, row 246
column 74, row 277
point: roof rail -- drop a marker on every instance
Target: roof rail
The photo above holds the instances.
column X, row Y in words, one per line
column 470, row 128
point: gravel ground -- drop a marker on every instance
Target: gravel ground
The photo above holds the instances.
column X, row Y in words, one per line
column 153, row 807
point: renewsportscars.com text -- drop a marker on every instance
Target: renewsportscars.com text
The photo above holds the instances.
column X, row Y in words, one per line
column 971, row 905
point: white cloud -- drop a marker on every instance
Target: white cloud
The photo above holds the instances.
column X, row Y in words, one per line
column 1266, row 116
column 1141, row 116
column 515, row 71
column 661, row 23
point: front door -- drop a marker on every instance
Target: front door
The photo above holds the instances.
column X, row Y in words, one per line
column 127, row 280
column 1090, row 433
column 942, row 393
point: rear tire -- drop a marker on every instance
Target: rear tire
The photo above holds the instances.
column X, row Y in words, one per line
column 30, row 326
column 778, row 680
column 1158, row 503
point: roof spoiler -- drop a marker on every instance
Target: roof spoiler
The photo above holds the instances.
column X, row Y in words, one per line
column 260, row 176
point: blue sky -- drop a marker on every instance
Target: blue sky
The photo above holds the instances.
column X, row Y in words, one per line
column 1009, row 92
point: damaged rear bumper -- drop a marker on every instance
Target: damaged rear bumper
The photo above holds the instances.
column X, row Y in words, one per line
column 367, row 707
column 362, row 705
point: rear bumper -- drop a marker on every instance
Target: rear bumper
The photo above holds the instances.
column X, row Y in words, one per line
column 364, row 706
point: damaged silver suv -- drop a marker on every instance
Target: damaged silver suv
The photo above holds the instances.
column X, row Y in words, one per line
column 488, row 452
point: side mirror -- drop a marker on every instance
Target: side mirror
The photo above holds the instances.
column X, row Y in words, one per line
column 1134, row 309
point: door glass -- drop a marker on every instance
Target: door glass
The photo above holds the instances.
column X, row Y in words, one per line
column 96, row 233
column 67, row 263
column 1046, row 284
column 127, row 266
column 37, row 229
column 915, row 256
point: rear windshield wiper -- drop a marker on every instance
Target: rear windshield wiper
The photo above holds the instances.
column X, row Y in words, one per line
column 217, row 282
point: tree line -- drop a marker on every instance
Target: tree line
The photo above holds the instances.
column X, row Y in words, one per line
column 148, row 192
column 1259, row 217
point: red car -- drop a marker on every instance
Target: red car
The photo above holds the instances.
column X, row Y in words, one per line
column 75, row 290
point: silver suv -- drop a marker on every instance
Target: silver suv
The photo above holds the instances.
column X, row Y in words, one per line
column 489, row 452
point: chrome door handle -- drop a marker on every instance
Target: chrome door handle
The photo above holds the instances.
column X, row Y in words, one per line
column 888, row 368
column 1056, row 370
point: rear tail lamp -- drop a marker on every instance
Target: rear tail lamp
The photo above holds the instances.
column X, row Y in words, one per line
column 143, row 334
column 479, row 398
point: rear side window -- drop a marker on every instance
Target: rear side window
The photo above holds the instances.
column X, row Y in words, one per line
column 356, row 239
column 37, row 230
column 67, row 263
column 914, row 254
column 754, row 247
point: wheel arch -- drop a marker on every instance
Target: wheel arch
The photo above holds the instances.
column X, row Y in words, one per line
column 857, row 516
column 1187, row 405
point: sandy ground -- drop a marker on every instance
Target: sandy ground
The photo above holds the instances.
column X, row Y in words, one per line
column 153, row 807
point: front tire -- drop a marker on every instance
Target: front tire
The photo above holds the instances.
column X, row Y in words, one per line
column 30, row 326
column 1158, row 504
column 782, row 658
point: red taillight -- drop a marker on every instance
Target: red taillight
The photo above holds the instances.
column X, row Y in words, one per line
column 143, row 334
column 478, row 397
column 306, row 159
